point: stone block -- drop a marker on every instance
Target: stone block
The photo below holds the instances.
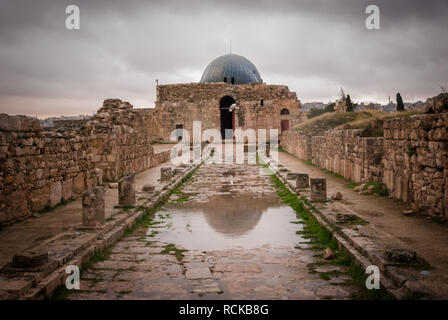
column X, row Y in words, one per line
column 302, row 180
column 126, row 190
column 318, row 189
column 93, row 207
column 291, row 176
column 99, row 176
column 55, row 193
column 67, row 189
column 165, row 173
column 79, row 184
column 30, row 259
column 40, row 198
column 148, row 188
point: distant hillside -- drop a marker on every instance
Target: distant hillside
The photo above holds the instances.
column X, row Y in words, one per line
column 48, row 122
column 371, row 121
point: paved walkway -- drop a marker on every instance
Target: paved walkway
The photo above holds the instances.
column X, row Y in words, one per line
column 36, row 231
column 225, row 235
column 388, row 227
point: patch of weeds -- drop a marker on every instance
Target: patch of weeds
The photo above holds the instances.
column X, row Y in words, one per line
column 61, row 293
column 377, row 188
column 153, row 234
column 352, row 185
column 183, row 198
column 97, row 257
column 321, row 238
column 438, row 219
column 334, row 174
column 359, row 279
column 169, row 248
column 60, row 204
column 109, row 219
column 309, row 162
column 330, row 274
column 411, row 151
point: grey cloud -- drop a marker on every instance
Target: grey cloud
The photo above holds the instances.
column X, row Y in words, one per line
column 314, row 47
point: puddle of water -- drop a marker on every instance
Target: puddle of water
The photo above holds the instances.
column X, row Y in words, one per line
column 245, row 222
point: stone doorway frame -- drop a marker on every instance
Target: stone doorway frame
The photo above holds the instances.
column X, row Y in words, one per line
column 224, row 104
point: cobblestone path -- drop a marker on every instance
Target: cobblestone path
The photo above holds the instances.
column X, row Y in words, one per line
column 224, row 235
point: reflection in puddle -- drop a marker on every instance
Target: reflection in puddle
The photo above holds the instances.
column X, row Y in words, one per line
column 244, row 221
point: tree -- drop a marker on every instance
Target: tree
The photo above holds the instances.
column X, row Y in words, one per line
column 342, row 94
column 348, row 103
column 400, row 104
column 317, row 112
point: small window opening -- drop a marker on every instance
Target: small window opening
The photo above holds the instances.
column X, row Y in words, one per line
column 179, row 131
column 225, row 79
column 262, row 102
column 233, row 80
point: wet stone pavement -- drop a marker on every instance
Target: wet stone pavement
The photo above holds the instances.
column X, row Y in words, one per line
column 224, row 235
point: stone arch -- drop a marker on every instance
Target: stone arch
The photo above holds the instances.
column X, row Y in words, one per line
column 285, row 119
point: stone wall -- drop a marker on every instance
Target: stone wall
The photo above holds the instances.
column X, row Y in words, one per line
column 259, row 106
column 411, row 160
column 119, row 141
column 297, row 143
column 39, row 169
column 42, row 168
column 416, row 161
column 345, row 153
column 340, row 151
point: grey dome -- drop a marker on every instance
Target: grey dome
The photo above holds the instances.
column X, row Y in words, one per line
column 231, row 66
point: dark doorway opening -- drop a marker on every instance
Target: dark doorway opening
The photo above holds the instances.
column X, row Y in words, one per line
column 285, row 125
column 227, row 117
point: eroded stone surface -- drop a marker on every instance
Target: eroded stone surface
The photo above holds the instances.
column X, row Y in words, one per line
column 237, row 258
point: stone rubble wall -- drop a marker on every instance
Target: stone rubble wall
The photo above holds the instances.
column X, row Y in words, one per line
column 411, row 160
column 415, row 161
column 297, row 143
column 181, row 104
column 41, row 168
column 345, row 153
column 119, row 142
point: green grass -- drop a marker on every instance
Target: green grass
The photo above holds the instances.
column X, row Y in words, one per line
column 97, row 257
column 377, row 188
column 321, row 238
column 171, row 249
column 48, row 208
column 146, row 221
column 309, row 162
column 351, row 185
column 369, row 121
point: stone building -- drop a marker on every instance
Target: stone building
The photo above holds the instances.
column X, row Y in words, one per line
column 43, row 167
column 229, row 79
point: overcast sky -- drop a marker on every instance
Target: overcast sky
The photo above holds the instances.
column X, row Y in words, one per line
column 315, row 47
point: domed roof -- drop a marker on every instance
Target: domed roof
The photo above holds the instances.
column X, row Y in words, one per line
column 229, row 66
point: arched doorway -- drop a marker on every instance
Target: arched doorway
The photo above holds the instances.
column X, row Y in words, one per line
column 284, row 115
column 227, row 117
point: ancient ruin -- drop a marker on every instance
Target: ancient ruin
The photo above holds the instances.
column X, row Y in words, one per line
column 200, row 229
